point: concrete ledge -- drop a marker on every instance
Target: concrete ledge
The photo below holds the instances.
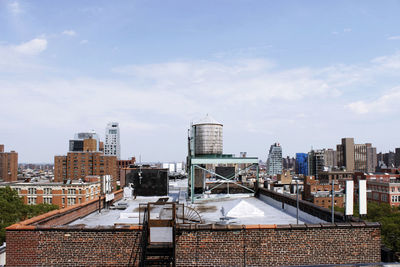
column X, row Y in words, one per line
column 283, row 226
column 373, row 224
column 328, row 225
column 343, row 225
column 298, row 226
column 357, row 224
column 313, row 225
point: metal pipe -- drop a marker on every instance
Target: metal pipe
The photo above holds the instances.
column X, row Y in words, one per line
column 333, row 201
column 192, row 183
column 297, row 201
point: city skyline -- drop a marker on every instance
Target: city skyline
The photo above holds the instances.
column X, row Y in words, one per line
column 270, row 72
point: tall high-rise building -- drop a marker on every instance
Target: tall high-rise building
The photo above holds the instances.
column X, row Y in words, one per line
column 389, row 159
column 302, row 163
column 360, row 157
column 8, row 165
column 316, row 162
column 274, row 161
column 356, row 157
column 112, row 144
column 330, row 158
column 345, row 154
column 371, row 159
column 397, row 157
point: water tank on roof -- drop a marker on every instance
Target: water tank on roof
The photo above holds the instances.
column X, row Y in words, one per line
column 208, row 136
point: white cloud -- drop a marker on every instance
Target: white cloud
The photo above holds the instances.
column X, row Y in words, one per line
column 253, row 80
column 84, row 42
column 391, row 62
column 69, row 32
column 22, row 58
column 33, row 47
column 388, row 102
column 153, row 101
column 396, row 37
column 15, row 8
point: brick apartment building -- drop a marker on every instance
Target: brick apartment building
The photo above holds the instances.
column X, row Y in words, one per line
column 8, row 165
column 319, row 193
column 382, row 187
column 89, row 162
column 60, row 194
column 123, row 164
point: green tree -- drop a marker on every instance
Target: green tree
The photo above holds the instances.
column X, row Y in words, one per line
column 388, row 217
column 13, row 209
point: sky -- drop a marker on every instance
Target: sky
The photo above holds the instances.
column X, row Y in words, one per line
column 301, row 73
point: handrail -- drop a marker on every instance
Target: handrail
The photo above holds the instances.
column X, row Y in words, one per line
column 143, row 243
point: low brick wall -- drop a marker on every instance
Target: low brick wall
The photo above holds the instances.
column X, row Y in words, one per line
column 71, row 246
column 270, row 245
column 199, row 245
column 305, row 206
column 66, row 215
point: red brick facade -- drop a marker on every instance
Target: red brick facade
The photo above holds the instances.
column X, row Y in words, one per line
column 205, row 245
column 8, row 165
column 283, row 245
column 105, row 247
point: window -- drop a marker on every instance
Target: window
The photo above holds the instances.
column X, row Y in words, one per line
column 31, row 200
column 71, row 191
column 48, row 200
column 71, row 201
column 18, row 190
column 32, row 191
column 47, row 191
column 63, row 200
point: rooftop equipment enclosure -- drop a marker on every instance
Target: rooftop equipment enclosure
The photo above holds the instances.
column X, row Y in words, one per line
column 148, row 182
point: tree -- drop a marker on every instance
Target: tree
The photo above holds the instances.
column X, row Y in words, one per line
column 13, row 209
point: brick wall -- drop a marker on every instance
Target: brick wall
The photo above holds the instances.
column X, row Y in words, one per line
column 280, row 245
column 72, row 247
column 201, row 245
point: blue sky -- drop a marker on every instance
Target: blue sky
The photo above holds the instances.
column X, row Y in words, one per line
column 302, row 73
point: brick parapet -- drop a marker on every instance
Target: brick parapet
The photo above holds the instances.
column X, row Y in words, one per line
column 199, row 245
column 64, row 216
column 73, row 247
column 257, row 245
column 308, row 207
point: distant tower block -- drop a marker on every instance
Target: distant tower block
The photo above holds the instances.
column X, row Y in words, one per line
column 112, row 144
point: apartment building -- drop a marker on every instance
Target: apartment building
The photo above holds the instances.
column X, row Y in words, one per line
column 8, row 165
column 319, row 193
column 382, row 187
column 60, row 194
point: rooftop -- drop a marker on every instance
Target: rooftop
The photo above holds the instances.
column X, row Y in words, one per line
column 234, row 209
